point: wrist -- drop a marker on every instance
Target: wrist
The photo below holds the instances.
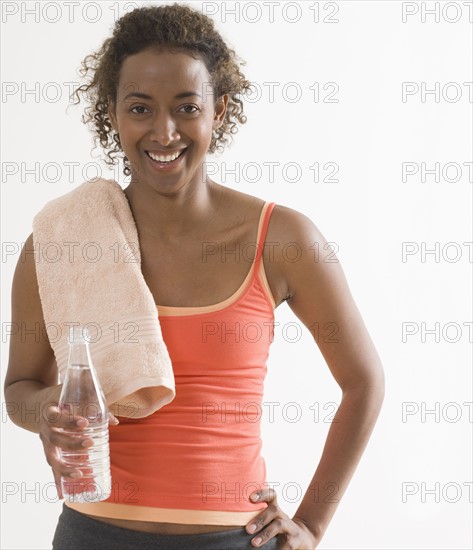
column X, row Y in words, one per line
column 315, row 532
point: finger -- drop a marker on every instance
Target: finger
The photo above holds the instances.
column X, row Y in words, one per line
column 271, row 530
column 60, row 467
column 268, row 495
column 58, row 478
column 267, row 515
column 262, row 519
column 60, row 472
column 113, row 419
column 285, row 529
column 64, row 417
column 70, row 442
column 52, row 414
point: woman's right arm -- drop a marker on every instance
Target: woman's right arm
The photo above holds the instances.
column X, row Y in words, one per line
column 31, row 382
column 31, row 385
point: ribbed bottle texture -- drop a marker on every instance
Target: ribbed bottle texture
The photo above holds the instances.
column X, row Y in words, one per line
column 82, row 395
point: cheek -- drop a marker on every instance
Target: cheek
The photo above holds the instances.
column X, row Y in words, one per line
column 129, row 135
column 204, row 133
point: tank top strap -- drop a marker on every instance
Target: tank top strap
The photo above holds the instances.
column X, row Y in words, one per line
column 262, row 230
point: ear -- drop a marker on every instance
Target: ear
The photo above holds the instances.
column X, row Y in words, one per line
column 112, row 114
column 220, row 110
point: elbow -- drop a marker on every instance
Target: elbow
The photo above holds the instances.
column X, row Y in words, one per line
column 372, row 386
column 379, row 382
column 376, row 382
column 11, row 406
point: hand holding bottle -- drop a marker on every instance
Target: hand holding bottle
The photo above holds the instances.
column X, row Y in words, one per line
column 75, row 433
column 52, row 422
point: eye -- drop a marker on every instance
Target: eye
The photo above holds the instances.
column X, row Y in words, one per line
column 192, row 107
column 140, row 111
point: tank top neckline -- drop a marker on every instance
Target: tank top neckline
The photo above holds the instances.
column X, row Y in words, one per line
column 189, row 310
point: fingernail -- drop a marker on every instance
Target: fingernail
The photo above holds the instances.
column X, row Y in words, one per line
column 258, row 540
column 76, row 474
column 255, row 496
column 252, row 528
column 81, row 422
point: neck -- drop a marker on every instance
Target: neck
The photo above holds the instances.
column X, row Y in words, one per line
column 173, row 216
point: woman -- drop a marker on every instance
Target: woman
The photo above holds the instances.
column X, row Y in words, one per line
column 165, row 91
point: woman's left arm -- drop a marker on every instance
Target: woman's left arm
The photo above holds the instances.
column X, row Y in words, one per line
column 319, row 295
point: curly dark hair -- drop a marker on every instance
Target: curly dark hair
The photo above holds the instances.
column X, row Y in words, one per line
column 170, row 27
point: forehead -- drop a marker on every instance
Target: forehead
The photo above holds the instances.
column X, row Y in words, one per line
column 164, row 71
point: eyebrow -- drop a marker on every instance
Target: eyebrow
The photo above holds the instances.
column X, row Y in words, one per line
column 141, row 95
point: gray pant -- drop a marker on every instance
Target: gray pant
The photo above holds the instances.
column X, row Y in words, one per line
column 76, row 531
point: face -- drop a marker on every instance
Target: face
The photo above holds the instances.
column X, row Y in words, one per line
column 165, row 108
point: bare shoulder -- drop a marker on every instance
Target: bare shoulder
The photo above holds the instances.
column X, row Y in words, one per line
column 286, row 224
column 289, row 226
column 293, row 242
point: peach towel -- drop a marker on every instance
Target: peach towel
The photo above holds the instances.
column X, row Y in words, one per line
column 88, row 267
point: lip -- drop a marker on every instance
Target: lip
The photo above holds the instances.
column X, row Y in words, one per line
column 162, row 167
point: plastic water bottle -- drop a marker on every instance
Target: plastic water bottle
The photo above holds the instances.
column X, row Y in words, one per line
column 82, row 395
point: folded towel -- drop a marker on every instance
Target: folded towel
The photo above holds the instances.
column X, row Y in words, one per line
column 88, row 266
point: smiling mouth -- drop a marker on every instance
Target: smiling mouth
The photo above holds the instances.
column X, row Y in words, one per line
column 165, row 159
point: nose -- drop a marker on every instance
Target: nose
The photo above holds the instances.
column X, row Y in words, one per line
column 164, row 129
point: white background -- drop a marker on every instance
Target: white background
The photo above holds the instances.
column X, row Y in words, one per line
column 369, row 212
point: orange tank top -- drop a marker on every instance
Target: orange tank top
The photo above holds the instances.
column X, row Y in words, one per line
column 197, row 459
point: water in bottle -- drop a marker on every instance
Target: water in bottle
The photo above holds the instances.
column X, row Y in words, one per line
column 82, row 395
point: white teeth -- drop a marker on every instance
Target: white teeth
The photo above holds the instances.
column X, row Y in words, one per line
column 164, row 158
